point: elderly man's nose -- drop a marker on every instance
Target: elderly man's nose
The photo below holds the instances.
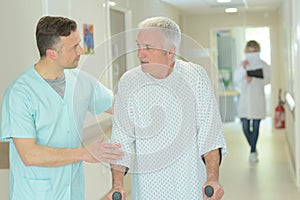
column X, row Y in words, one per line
column 141, row 53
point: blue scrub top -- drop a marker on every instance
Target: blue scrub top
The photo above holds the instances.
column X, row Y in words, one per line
column 33, row 109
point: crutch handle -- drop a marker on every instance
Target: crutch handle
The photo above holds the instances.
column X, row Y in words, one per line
column 116, row 196
column 209, row 191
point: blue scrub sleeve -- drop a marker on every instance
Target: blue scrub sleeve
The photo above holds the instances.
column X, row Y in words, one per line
column 17, row 116
column 102, row 99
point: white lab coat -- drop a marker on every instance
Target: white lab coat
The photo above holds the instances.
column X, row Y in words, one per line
column 252, row 96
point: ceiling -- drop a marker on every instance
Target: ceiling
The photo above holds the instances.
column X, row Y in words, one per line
column 203, row 7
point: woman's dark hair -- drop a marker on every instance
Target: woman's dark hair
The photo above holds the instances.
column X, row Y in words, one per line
column 49, row 29
column 253, row 44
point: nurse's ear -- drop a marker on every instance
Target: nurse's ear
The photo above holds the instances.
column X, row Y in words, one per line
column 51, row 53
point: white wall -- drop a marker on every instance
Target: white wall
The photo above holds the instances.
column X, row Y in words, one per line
column 142, row 9
column 297, row 88
column 290, row 71
column 17, row 39
column 286, row 79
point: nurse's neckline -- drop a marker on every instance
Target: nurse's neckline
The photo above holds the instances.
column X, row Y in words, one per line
column 46, row 74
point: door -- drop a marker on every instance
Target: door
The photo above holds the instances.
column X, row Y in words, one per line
column 118, row 44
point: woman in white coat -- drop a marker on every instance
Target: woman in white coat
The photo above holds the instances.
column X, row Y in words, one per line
column 252, row 76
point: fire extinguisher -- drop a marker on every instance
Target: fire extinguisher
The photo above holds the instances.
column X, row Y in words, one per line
column 279, row 113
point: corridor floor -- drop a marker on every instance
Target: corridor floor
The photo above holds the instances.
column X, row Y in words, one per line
column 272, row 178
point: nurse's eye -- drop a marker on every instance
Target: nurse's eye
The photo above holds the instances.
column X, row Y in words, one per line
column 75, row 47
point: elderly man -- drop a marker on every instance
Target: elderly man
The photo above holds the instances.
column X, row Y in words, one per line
column 167, row 120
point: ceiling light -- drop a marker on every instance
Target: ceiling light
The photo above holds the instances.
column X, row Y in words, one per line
column 223, row 1
column 231, row 10
column 111, row 3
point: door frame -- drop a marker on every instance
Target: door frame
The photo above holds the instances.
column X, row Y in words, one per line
column 128, row 25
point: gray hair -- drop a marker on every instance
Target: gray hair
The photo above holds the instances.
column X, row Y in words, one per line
column 169, row 28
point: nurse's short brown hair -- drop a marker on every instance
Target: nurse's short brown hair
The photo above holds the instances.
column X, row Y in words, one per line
column 49, row 29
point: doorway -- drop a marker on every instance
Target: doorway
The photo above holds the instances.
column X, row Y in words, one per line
column 119, row 24
column 118, row 42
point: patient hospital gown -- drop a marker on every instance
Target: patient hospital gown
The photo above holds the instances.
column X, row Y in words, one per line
column 164, row 127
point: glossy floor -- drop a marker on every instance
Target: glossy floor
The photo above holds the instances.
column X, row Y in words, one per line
column 272, row 178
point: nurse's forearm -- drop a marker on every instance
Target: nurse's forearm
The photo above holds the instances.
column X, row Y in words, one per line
column 37, row 155
column 33, row 154
column 52, row 157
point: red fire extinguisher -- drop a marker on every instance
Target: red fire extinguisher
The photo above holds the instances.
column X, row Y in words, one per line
column 279, row 113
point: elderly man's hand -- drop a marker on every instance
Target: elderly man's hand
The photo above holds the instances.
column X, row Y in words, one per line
column 116, row 189
column 218, row 191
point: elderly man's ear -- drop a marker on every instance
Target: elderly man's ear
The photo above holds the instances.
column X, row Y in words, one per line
column 171, row 52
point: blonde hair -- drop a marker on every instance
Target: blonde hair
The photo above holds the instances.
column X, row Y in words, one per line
column 253, row 44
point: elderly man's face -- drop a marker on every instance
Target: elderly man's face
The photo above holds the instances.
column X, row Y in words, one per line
column 153, row 57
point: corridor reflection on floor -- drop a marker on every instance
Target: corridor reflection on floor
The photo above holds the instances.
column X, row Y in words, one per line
column 272, row 178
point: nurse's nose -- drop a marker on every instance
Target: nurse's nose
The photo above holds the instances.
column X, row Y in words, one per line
column 80, row 50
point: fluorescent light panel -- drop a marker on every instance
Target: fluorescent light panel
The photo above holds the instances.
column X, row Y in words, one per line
column 111, row 3
column 231, row 10
column 223, row 1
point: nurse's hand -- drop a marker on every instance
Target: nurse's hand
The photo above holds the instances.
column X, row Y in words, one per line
column 102, row 152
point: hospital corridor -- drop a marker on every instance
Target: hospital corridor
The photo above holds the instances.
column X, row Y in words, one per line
column 233, row 68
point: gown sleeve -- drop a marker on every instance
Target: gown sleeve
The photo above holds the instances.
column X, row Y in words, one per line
column 209, row 124
column 123, row 128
